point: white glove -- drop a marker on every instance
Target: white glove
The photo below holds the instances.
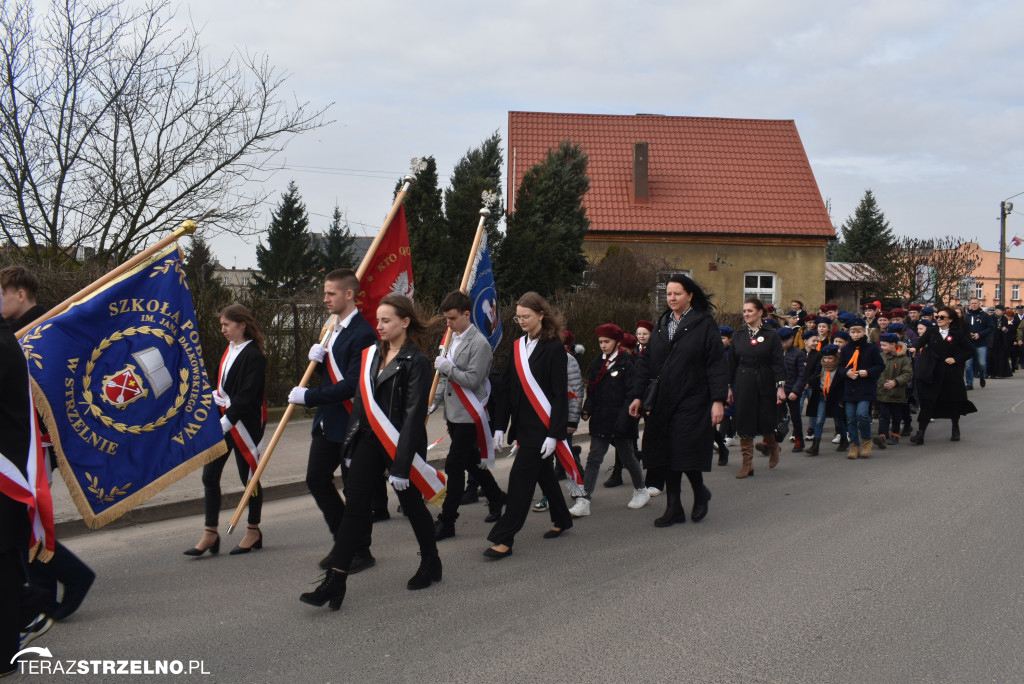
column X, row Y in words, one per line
column 499, row 439
column 432, row 408
column 348, row 462
column 297, row 396
column 221, row 399
column 442, row 365
column 399, row 483
column 225, row 424
column 548, row 447
column 318, row 353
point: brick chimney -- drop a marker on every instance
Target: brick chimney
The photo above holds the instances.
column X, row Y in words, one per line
column 640, row 195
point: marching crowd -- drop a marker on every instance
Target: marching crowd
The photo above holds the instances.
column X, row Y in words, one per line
column 697, row 386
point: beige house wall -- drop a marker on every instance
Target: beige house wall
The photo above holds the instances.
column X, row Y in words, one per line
column 798, row 265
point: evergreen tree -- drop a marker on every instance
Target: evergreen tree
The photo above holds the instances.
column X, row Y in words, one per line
column 199, row 263
column 477, row 172
column 339, row 248
column 427, row 241
column 543, row 245
column 287, row 263
column 866, row 236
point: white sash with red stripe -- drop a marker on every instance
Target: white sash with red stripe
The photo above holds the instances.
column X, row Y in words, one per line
column 250, row 451
column 426, row 478
column 33, row 491
column 334, row 369
column 542, row 406
column 484, row 438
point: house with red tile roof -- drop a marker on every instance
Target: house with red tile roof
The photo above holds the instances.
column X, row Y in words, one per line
column 732, row 202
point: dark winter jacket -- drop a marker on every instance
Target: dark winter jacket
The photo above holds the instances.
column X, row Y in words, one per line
column 693, row 372
column 756, row 367
column 870, row 360
column 609, row 394
column 981, row 324
column 795, row 361
column 940, row 384
column 15, row 426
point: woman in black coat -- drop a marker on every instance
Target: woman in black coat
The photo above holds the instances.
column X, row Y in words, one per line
column 400, row 374
column 757, row 378
column 943, row 351
column 686, row 356
column 542, row 352
column 240, row 383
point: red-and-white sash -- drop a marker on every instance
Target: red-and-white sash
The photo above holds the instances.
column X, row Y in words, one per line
column 33, row 491
column 542, row 406
column 484, row 438
column 426, row 478
column 250, row 451
column 334, row 370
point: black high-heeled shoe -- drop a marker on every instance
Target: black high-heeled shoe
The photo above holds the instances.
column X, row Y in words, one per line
column 213, row 548
column 258, row 544
column 428, row 573
column 331, row 589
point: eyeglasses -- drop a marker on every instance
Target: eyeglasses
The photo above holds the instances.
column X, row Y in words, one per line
column 940, row 317
column 523, row 318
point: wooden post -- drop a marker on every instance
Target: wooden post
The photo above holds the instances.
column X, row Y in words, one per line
column 325, row 333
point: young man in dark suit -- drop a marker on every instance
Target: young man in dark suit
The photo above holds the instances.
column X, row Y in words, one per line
column 339, row 362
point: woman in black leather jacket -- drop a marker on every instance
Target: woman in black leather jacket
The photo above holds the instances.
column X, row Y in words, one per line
column 401, row 375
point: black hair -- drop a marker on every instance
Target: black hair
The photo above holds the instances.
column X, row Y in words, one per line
column 700, row 300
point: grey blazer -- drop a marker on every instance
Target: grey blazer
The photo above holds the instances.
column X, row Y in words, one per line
column 471, row 366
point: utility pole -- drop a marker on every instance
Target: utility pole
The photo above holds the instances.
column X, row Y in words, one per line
column 1004, row 209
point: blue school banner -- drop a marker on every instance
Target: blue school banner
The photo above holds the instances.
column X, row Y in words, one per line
column 485, row 313
column 119, row 380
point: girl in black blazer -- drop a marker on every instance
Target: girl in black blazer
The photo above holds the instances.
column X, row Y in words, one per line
column 533, row 465
column 240, row 383
column 401, row 375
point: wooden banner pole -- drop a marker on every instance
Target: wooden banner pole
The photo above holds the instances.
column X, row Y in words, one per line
column 325, row 333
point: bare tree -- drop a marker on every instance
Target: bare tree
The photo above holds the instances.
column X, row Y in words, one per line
column 116, row 127
column 932, row 269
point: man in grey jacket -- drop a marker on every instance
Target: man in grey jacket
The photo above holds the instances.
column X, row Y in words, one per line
column 464, row 390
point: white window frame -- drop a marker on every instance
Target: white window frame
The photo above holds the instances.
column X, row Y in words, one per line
column 760, row 291
column 1015, row 291
column 979, row 290
column 999, row 295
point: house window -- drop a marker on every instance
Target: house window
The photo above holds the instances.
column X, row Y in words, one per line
column 1016, row 292
column 999, row 295
column 979, row 291
column 761, row 285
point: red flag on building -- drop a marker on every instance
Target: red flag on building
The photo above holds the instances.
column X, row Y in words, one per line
column 389, row 270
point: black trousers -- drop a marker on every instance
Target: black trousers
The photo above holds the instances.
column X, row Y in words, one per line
column 369, row 462
column 11, row 579
column 795, row 417
column 212, row 472
column 325, row 457
column 527, row 472
column 65, row 568
column 463, row 457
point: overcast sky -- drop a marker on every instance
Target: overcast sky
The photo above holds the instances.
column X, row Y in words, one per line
column 916, row 100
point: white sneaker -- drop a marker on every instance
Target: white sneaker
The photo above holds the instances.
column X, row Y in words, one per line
column 835, row 440
column 653, row 491
column 580, row 508
column 640, row 498
column 729, row 441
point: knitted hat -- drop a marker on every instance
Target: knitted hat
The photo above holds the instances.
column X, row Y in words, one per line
column 609, row 330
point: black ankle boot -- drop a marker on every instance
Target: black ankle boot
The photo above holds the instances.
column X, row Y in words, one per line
column 615, row 479
column 494, row 508
column 813, row 449
column 428, row 572
column 700, row 505
column 956, row 434
column 674, row 512
column 918, row 437
column 332, row 589
column 723, row 455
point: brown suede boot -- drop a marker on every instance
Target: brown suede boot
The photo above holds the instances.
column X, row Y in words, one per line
column 747, row 451
column 773, row 451
column 865, row 448
column 854, row 451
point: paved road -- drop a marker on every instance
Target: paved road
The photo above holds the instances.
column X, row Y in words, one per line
column 908, row 567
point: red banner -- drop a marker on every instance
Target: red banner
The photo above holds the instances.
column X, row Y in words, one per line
column 390, row 269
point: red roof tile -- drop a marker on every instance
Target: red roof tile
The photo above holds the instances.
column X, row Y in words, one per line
column 736, row 176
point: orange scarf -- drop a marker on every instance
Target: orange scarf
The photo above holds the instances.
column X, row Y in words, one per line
column 853, row 359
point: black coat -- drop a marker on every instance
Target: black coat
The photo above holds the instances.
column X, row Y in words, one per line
column 1003, row 339
column 755, row 371
column 834, row 406
column 694, row 374
column 347, row 347
column 244, row 386
column 813, row 380
column 795, row 361
column 607, row 402
column 939, row 384
column 549, row 368
column 402, row 390
column 869, row 359
column 15, row 427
